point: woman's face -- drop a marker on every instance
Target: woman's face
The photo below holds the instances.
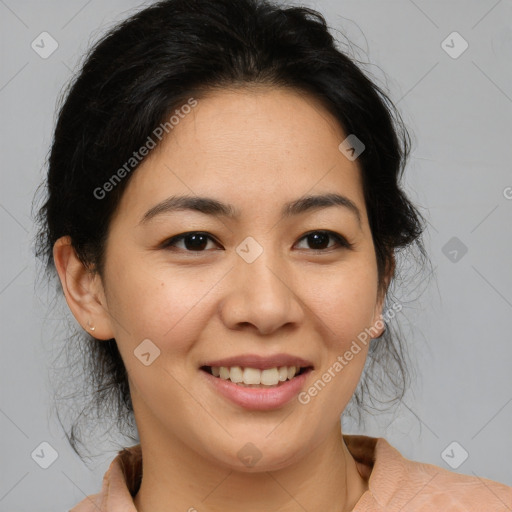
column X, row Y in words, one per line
column 252, row 285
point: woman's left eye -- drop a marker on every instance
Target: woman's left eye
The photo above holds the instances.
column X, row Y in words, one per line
column 319, row 238
column 196, row 241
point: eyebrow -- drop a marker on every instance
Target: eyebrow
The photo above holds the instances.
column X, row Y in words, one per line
column 213, row 207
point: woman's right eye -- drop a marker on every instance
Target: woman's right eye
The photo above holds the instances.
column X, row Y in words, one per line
column 194, row 241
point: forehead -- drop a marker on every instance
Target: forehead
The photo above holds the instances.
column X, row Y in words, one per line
column 252, row 147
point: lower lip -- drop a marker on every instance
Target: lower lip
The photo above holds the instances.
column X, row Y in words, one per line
column 259, row 398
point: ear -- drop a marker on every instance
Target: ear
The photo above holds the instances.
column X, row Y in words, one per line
column 377, row 315
column 83, row 290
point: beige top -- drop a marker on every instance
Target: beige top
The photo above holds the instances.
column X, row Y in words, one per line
column 395, row 483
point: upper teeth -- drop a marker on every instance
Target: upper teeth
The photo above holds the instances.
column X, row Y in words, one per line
column 268, row 377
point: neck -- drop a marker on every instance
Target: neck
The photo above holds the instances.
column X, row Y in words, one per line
column 177, row 479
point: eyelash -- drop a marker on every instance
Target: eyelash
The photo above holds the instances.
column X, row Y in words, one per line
column 342, row 241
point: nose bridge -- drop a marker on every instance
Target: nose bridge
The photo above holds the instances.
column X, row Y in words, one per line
column 259, row 266
column 262, row 294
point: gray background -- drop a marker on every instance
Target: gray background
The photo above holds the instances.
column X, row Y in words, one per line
column 459, row 111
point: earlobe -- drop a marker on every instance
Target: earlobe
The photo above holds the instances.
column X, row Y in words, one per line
column 83, row 290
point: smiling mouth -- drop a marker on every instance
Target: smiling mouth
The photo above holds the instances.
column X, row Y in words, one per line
column 254, row 377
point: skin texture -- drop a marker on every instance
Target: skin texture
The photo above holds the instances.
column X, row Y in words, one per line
column 255, row 148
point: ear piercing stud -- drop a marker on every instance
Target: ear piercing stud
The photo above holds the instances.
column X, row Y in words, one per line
column 91, row 327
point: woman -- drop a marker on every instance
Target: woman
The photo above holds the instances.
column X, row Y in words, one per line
column 223, row 213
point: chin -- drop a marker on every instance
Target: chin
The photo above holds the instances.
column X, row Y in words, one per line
column 253, row 457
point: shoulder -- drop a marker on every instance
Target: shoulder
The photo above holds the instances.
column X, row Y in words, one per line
column 120, row 483
column 465, row 493
column 92, row 503
column 398, row 483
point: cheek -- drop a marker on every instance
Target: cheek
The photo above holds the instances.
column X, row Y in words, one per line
column 344, row 301
column 344, row 306
column 168, row 313
column 156, row 304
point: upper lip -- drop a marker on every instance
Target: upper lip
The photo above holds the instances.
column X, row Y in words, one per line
column 260, row 362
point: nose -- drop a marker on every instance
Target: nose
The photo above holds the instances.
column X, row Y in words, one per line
column 262, row 295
